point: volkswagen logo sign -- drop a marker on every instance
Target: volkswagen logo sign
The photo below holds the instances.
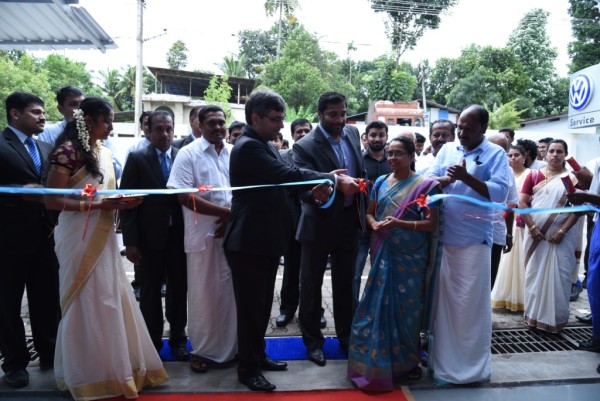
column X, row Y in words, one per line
column 580, row 92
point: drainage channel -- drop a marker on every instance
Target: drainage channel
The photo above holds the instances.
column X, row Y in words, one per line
column 523, row 340
column 503, row 341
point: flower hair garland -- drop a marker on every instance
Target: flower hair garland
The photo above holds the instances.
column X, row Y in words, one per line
column 83, row 132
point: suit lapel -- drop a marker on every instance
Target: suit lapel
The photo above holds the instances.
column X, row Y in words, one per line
column 19, row 147
column 152, row 157
column 325, row 147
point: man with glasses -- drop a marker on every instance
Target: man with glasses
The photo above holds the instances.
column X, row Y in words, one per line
column 260, row 223
column 440, row 132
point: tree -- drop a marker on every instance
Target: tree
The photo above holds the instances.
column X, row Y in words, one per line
column 286, row 7
column 177, row 55
column 504, row 115
column 408, row 20
column 391, row 81
column 233, row 67
column 25, row 75
column 218, row 93
column 260, row 47
column 111, row 87
column 585, row 24
column 531, row 44
column 62, row 71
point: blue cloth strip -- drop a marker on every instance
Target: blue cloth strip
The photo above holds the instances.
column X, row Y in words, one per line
column 432, row 199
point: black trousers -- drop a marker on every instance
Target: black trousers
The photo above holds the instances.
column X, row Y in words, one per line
column 155, row 264
column 253, row 285
column 290, row 286
column 343, row 251
column 36, row 271
column 496, row 255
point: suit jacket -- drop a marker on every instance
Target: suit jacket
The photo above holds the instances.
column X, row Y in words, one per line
column 180, row 143
column 261, row 221
column 148, row 224
column 23, row 225
column 316, row 153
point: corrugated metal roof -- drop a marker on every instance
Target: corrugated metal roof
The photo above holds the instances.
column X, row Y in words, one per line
column 48, row 25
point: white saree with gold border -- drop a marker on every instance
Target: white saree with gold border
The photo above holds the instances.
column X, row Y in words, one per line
column 103, row 348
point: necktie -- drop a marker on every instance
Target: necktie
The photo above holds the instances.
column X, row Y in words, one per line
column 164, row 165
column 33, row 152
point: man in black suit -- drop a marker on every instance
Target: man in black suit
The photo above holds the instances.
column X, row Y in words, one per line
column 27, row 258
column 194, row 125
column 153, row 236
column 333, row 231
column 259, row 224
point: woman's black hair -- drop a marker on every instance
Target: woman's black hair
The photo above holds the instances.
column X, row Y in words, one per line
column 409, row 145
column 93, row 107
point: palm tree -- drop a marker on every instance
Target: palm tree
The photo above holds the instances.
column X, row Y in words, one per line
column 233, row 67
column 286, row 7
column 111, row 86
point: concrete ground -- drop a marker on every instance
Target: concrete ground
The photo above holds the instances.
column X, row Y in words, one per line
column 512, row 370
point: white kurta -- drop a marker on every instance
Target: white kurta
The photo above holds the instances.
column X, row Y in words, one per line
column 212, row 318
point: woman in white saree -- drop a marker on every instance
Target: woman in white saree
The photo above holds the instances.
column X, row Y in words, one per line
column 550, row 243
column 103, row 348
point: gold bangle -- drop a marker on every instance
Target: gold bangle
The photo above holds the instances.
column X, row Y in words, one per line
column 414, row 225
column 533, row 227
column 82, row 206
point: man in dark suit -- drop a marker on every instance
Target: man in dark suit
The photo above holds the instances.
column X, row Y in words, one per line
column 153, row 236
column 259, row 224
column 194, row 125
column 27, row 258
column 333, row 231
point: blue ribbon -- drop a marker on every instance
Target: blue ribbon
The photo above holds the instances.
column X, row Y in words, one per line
column 431, row 199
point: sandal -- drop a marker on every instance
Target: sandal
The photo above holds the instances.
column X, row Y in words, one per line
column 198, row 366
column 415, row 374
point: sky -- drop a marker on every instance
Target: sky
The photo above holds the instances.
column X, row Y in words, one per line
column 209, row 28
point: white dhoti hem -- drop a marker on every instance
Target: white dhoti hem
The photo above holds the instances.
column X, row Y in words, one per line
column 462, row 336
column 212, row 318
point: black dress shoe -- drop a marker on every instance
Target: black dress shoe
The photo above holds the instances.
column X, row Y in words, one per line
column 181, row 352
column 323, row 322
column 587, row 319
column 17, row 378
column 269, row 364
column 283, row 319
column 592, row 345
column 257, row 383
column 316, row 356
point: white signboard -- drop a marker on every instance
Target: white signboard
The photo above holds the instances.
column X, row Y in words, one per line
column 584, row 104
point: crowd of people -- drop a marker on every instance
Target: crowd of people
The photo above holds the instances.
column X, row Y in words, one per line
column 432, row 283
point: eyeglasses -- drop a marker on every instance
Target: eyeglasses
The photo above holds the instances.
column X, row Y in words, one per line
column 276, row 120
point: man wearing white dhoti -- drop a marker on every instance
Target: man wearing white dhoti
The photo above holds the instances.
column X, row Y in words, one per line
column 211, row 302
column 462, row 321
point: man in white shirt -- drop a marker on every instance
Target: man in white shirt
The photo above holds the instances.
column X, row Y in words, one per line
column 212, row 326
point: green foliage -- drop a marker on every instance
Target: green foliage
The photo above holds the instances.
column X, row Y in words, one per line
column 405, row 27
column 304, row 71
column 504, row 115
column 287, row 7
column 585, row 24
column 260, row 47
column 177, row 55
column 531, row 44
column 233, row 67
column 480, row 75
column 119, row 87
column 218, row 93
column 391, row 81
column 307, row 112
column 25, row 75
column 63, row 71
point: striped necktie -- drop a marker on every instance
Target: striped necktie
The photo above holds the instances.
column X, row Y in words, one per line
column 33, row 152
column 165, row 166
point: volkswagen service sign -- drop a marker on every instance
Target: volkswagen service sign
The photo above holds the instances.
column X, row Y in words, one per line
column 584, row 105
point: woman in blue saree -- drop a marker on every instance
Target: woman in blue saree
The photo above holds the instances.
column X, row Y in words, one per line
column 385, row 340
